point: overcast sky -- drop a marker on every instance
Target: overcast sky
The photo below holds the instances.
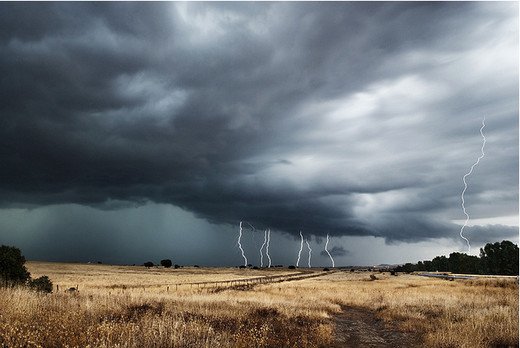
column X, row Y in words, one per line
column 136, row 131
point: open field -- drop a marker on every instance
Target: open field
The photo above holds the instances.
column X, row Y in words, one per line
column 138, row 307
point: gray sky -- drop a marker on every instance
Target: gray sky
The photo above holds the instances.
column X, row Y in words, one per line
column 136, row 131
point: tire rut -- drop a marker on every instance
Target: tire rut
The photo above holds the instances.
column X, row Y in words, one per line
column 360, row 327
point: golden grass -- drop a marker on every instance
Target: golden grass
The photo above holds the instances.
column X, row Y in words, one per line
column 476, row 313
column 107, row 278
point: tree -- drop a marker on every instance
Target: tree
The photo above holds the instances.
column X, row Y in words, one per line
column 420, row 266
column 407, row 267
column 12, row 268
column 440, row 263
column 428, row 266
column 463, row 263
column 167, row 263
column 500, row 258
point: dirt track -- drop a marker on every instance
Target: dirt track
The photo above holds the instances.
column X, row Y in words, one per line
column 359, row 327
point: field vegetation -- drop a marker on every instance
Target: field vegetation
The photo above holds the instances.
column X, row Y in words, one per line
column 120, row 306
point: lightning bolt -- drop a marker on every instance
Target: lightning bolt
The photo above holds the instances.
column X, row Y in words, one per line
column 310, row 251
column 240, row 244
column 261, row 248
column 326, row 244
column 466, row 185
column 267, row 246
column 301, row 248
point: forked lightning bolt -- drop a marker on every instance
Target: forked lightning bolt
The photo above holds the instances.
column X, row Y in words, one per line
column 466, row 185
column 310, row 251
column 261, row 248
column 267, row 246
column 240, row 244
column 300, row 251
column 326, row 245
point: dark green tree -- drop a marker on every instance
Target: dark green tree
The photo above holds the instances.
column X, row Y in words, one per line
column 429, row 266
column 420, row 266
column 407, row 267
column 440, row 263
column 463, row 263
column 499, row 258
column 12, row 266
column 167, row 263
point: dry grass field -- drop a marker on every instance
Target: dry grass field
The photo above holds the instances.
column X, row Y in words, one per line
column 120, row 306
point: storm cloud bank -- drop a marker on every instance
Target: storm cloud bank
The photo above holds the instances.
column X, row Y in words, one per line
column 343, row 118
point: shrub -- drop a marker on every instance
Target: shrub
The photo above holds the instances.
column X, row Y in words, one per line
column 292, row 267
column 166, row 263
column 42, row 284
column 148, row 264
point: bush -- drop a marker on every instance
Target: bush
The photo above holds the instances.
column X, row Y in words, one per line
column 148, row 264
column 176, row 266
column 291, row 267
column 12, row 268
column 166, row 263
column 42, row 284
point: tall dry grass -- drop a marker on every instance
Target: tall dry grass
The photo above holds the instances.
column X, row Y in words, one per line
column 474, row 313
column 201, row 320
column 292, row 314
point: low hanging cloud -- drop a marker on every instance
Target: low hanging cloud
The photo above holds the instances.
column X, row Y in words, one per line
column 335, row 251
column 340, row 118
column 492, row 233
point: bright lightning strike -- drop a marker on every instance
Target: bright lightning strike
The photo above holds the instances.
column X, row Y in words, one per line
column 240, row 244
column 326, row 245
column 262, row 248
column 310, row 251
column 267, row 246
column 300, row 251
column 466, row 185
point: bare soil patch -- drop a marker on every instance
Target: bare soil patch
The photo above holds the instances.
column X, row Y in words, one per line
column 360, row 327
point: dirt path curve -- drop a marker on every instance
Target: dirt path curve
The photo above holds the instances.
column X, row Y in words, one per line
column 359, row 327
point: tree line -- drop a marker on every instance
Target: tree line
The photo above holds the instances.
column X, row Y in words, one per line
column 500, row 258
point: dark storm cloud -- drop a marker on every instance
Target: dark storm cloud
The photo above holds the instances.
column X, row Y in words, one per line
column 340, row 118
column 335, row 251
column 491, row 233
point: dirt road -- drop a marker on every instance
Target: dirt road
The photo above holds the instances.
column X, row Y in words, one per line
column 359, row 327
